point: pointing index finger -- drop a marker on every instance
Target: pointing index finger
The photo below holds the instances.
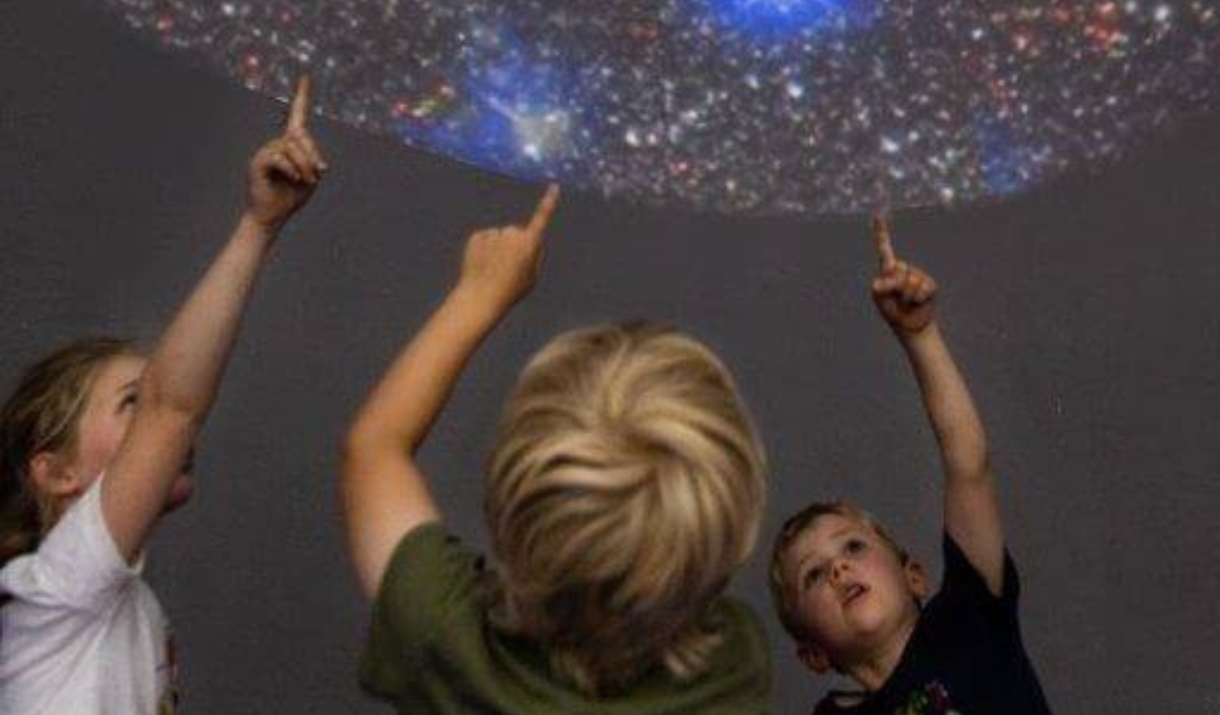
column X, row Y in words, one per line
column 299, row 112
column 546, row 207
column 885, row 246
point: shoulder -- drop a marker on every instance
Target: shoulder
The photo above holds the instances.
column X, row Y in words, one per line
column 733, row 613
column 963, row 579
column 431, row 572
column 965, row 599
column 433, row 584
column 735, row 619
column 429, row 545
column 76, row 565
column 744, row 642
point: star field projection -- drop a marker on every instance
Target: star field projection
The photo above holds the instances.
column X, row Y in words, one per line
column 761, row 106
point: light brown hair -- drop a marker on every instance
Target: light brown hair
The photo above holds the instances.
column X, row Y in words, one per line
column 625, row 487
column 42, row 415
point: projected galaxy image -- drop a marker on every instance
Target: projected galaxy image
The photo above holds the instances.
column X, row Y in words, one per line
column 758, row 106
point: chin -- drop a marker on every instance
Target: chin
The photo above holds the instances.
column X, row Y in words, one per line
column 179, row 493
column 877, row 618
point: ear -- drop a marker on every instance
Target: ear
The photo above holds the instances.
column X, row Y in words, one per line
column 52, row 478
column 917, row 579
column 814, row 658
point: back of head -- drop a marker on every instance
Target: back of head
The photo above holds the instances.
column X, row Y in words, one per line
column 40, row 415
column 625, row 488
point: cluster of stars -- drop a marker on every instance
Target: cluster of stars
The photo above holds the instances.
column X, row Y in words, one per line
column 762, row 106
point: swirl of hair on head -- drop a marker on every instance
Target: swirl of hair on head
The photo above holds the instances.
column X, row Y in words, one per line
column 625, row 487
column 41, row 415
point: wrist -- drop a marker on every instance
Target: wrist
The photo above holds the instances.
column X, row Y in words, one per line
column 914, row 340
column 476, row 305
column 254, row 225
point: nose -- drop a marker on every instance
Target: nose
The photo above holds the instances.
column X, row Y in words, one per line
column 837, row 569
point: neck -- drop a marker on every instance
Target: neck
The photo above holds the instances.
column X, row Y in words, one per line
column 871, row 671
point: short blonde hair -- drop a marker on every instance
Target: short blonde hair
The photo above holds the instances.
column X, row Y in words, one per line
column 793, row 528
column 625, row 487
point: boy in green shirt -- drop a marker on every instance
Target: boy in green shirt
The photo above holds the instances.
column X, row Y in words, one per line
column 624, row 489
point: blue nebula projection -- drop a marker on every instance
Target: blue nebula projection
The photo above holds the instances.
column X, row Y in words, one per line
column 781, row 20
column 515, row 119
column 742, row 106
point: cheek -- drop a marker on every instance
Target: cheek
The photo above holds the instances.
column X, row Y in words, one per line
column 99, row 441
column 817, row 606
column 115, row 432
column 885, row 572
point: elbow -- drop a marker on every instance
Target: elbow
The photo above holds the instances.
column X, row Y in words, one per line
column 183, row 416
column 160, row 399
column 371, row 437
column 353, row 448
column 970, row 469
column 362, row 445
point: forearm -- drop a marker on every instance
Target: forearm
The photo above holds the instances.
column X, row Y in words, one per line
column 184, row 372
column 384, row 493
column 972, row 510
column 903, row 294
column 404, row 405
column 950, row 409
column 177, row 389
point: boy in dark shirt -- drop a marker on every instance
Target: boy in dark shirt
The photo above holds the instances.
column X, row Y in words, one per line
column 851, row 596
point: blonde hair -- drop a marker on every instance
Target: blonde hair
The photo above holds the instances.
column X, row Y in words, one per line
column 625, row 487
column 41, row 415
column 794, row 527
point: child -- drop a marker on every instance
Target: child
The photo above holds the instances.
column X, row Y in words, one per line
column 851, row 597
column 80, row 631
column 624, row 489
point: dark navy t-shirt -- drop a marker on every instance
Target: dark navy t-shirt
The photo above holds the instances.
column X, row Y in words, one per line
column 965, row 656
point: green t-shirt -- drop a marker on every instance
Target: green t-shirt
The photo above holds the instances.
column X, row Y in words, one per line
column 431, row 650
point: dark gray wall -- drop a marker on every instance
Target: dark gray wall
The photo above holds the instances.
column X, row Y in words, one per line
column 1085, row 315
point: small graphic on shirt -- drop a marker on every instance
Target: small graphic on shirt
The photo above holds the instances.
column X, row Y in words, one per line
column 932, row 699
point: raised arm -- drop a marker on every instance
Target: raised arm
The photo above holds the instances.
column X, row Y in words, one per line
column 905, row 297
column 180, row 382
column 384, row 492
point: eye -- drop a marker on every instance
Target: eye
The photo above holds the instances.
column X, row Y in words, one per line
column 814, row 576
column 129, row 400
column 856, row 546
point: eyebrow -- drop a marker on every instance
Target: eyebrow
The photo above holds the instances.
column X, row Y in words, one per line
column 800, row 565
column 842, row 531
column 128, row 386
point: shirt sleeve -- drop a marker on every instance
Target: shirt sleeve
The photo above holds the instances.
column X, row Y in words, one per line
column 963, row 584
column 432, row 578
column 77, row 565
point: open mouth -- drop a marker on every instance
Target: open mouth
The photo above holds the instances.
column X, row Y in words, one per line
column 853, row 593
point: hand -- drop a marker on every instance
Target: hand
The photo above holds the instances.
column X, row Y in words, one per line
column 285, row 171
column 500, row 265
column 903, row 293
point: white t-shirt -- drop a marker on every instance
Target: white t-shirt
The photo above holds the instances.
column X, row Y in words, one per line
column 83, row 633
